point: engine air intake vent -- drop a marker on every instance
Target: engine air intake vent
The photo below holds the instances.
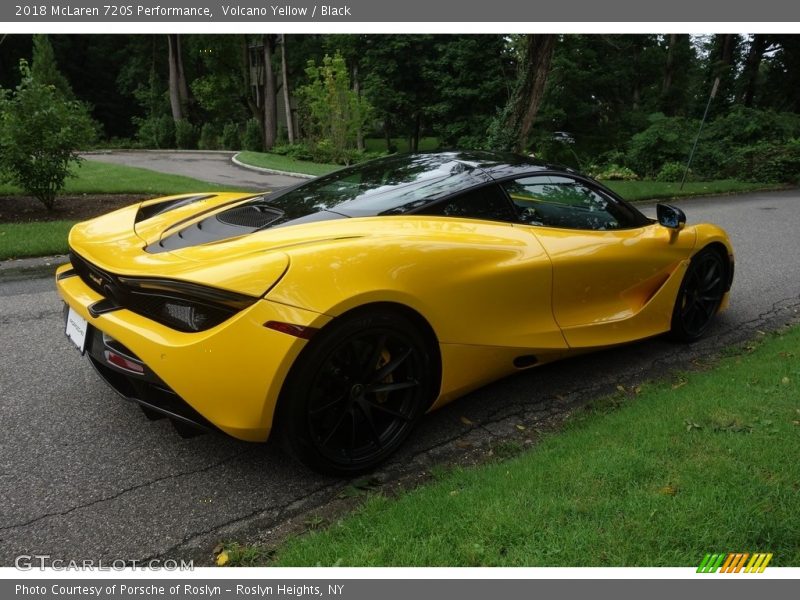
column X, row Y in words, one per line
column 252, row 216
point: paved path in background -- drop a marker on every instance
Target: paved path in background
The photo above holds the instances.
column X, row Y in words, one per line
column 83, row 474
column 215, row 167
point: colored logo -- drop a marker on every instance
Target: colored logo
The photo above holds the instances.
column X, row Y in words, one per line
column 735, row 562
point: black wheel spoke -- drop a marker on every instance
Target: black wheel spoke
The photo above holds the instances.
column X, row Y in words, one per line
column 392, row 387
column 390, row 412
column 712, row 285
column 372, row 429
column 335, row 427
column 390, row 367
column 325, row 407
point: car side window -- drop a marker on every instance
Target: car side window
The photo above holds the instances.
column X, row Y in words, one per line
column 555, row 201
column 488, row 203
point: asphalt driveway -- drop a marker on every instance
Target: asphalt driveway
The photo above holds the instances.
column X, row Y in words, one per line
column 215, row 167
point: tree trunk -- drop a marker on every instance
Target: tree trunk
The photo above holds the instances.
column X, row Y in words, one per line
column 520, row 112
column 669, row 67
column 357, row 90
column 270, row 95
column 752, row 64
column 286, row 96
column 178, row 91
column 247, row 68
column 416, row 132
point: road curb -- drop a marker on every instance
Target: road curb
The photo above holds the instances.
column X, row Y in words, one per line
column 239, row 163
column 31, row 268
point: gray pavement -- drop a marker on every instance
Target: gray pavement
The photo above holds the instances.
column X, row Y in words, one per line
column 84, row 475
column 215, row 167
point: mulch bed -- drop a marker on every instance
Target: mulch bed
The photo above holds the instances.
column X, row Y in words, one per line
column 20, row 209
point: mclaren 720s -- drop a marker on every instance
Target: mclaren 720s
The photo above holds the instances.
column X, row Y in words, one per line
column 336, row 313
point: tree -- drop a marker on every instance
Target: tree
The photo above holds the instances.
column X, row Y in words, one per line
column 270, row 94
column 469, row 75
column 40, row 133
column 514, row 125
column 44, row 68
column 178, row 90
column 334, row 112
column 752, row 65
column 287, row 98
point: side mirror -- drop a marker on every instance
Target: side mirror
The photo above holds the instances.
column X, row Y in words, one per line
column 670, row 216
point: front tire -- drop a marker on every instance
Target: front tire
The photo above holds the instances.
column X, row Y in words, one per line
column 700, row 295
column 356, row 392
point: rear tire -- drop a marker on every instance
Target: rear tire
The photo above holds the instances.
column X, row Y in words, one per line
column 356, row 392
column 699, row 296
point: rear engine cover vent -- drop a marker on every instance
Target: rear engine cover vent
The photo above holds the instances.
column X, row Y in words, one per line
column 253, row 216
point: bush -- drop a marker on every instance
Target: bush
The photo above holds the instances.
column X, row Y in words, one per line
column 209, row 137
column 667, row 139
column 253, row 139
column 231, row 138
column 185, row 135
column 295, row 151
column 40, row 133
column 156, row 132
column 613, row 172
column 334, row 113
column 671, row 172
column 769, row 162
column 725, row 137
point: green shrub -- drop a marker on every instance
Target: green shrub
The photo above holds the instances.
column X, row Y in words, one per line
column 295, row 151
column 231, row 138
column 334, row 113
column 724, row 138
column 667, row 139
column 768, row 162
column 253, row 139
column 613, row 172
column 185, row 135
column 40, row 134
column 209, row 137
column 671, row 172
column 156, row 132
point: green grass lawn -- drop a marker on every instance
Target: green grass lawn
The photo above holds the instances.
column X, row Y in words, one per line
column 285, row 163
column 104, row 178
column 43, row 238
column 704, row 463
column 652, row 190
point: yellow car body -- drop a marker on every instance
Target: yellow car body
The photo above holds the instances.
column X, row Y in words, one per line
column 497, row 297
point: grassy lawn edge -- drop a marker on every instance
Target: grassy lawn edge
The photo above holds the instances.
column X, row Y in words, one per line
column 701, row 462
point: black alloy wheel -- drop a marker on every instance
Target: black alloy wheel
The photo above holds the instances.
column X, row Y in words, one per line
column 356, row 392
column 700, row 295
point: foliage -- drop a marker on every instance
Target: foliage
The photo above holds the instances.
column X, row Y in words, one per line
column 185, row 135
column 671, row 172
column 252, row 139
column 40, row 134
column 613, row 172
column 726, row 135
column 44, row 68
column 770, row 162
column 667, row 139
column 334, row 113
column 155, row 129
column 295, row 151
column 231, row 137
column 209, row 137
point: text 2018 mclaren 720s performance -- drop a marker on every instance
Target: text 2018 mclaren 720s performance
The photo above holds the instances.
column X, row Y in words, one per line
column 334, row 314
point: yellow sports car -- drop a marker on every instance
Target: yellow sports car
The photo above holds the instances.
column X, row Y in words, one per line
column 337, row 312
